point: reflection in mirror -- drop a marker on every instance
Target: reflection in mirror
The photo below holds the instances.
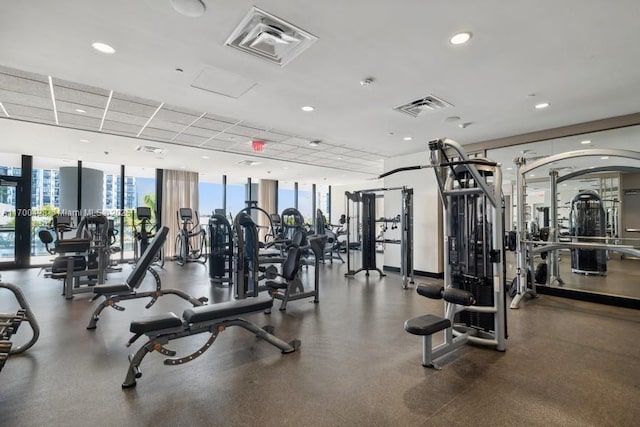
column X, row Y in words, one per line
column 594, row 226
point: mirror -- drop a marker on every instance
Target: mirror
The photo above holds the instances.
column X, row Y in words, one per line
column 598, row 203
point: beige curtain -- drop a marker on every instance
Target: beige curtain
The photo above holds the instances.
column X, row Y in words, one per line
column 267, row 201
column 180, row 190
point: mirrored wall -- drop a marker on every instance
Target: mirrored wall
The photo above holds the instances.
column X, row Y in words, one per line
column 597, row 203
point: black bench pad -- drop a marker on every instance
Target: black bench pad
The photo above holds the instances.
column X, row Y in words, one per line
column 155, row 323
column 227, row 309
column 426, row 325
column 276, row 285
column 430, row 290
column 116, row 288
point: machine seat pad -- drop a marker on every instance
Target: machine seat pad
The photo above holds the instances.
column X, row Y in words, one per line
column 276, row 285
column 430, row 290
column 227, row 309
column 426, row 325
column 112, row 289
column 155, row 323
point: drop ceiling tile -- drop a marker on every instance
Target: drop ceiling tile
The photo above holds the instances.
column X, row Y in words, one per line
column 245, row 131
column 116, row 116
column 172, row 116
column 121, row 128
column 339, row 150
column 190, row 139
column 201, row 132
column 160, row 134
column 70, row 108
column 271, row 136
column 165, row 125
column 215, row 117
column 79, row 97
column 9, row 97
column 211, row 124
column 29, row 112
column 131, row 107
column 79, row 120
column 26, row 86
column 31, row 119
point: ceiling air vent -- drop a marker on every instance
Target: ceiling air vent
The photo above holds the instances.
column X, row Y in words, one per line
column 419, row 106
column 269, row 37
column 248, row 163
column 150, row 149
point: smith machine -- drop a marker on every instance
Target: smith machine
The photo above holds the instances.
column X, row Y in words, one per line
column 361, row 231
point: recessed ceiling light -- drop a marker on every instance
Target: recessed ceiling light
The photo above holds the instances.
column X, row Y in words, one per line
column 532, row 174
column 84, row 140
column 509, row 169
column 585, row 142
column 407, row 138
column 452, row 119
column 390, row 133
column 204, row 157
column 460, row 38
column 103, row 48
column 542, row 105
column 564, row 184
column 189, row 8
column 308, row 108
column 340, row 157
column 604, row 157
column 80, row 110
column 366, row 82
column 314, row 143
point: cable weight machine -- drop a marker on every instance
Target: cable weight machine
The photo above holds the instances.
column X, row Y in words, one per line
column 361, row 231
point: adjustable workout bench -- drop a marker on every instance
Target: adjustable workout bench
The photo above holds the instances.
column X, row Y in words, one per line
column 113, row 294
column 210, row 318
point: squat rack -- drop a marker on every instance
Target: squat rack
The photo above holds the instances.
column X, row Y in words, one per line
column 367, row 218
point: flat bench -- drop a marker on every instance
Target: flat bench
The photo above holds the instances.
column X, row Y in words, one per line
column 213, row 319
column 114, row 293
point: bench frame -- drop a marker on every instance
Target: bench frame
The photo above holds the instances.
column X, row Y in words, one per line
column 129, row 287
column 159, row 338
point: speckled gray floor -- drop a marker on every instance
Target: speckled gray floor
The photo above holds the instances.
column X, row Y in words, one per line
column 567, row 363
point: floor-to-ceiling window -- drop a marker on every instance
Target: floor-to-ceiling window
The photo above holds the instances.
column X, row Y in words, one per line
column 10, row 166
column 305, row 202
column 45, row 202
column 286, row 195
column 210, row 195
column 236, row 194
column 140, row 191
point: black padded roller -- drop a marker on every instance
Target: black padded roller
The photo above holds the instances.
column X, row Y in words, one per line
column 459, row 296
column 430, row 291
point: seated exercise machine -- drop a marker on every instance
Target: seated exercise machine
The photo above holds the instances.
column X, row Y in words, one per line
column 190, row 241
column 10, row 322
column 113, row 294
column 473, row 291
column 220, row 250
column 102, row 234
column 213, row 319
column 333, row 246
column 75, row 264
column 247, row 266
column 144, row 235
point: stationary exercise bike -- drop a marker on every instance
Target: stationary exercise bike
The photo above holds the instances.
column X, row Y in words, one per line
column 144, row 235
column 190, row 241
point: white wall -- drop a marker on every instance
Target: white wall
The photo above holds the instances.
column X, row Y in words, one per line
column 427, row 213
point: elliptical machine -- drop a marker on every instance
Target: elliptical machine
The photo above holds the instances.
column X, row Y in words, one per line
column 190, row 241
column 144, row 235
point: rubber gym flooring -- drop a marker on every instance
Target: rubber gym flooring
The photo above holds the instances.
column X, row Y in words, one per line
column 568, row 363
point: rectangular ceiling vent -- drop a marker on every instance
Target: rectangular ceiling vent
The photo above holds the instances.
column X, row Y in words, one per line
column 269, row 37
column 248, row 163
column 419, row 106
column 150, row 149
